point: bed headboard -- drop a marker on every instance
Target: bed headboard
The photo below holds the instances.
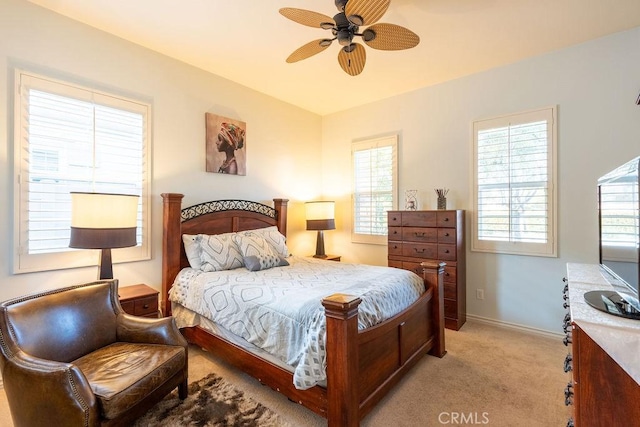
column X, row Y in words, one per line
column 215, row 217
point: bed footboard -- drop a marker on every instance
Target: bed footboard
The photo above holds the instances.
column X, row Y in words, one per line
column 362, row 366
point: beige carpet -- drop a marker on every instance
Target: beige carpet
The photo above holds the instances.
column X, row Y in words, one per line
column 490, row 376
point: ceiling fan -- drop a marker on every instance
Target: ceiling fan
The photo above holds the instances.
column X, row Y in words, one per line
column 345, row 26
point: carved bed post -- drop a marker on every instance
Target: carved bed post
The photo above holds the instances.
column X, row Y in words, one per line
column 342, row 360
column 433, row 273
column 172, row 207
column 280, row 205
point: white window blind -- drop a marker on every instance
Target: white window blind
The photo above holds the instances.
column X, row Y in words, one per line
column 374, row 188
column 71, row 138
column 514, row 174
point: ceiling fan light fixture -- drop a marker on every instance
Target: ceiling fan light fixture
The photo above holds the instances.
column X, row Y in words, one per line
column 326, row 25
column 325, row 42
column 356, row 20
column 344, row 37
column 368, row 35
column 350, row 48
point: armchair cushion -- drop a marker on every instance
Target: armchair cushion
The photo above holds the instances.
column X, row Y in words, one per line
column 122, row 374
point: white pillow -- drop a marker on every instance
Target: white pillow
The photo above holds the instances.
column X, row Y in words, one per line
column 193, row 250
column 273, row 236
column 219, row 252
column 257, row 253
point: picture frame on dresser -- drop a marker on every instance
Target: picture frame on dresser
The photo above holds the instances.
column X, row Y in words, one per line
column 433, row 235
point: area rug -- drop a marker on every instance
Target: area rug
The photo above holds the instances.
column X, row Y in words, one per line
column 211, row 402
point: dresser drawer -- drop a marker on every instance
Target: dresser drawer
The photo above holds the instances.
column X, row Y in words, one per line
column 446, row 235
column 394, row 248
column 394, row 233
column 446, row 219
column 394, row 263
column 420, row 234
column 419, row 219
column 420, row 250
column 129, row 307
column 394, row 218
column 450, row 291
column 446, row 252
column 450, row 308
column 450, row 275
column 145, row 306
column 412, row 266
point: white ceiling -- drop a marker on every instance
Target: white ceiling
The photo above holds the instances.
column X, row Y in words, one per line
column 247, row 41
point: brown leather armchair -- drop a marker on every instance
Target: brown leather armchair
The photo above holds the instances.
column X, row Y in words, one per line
column 73, row 357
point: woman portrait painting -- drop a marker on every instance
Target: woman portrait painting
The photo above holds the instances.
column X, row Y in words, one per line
column 226, row 145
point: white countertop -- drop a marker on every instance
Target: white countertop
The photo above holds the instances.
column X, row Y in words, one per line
column 618, row 336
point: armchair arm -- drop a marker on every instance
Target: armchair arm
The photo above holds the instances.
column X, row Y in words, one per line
column 56, row 393
column 151, row 331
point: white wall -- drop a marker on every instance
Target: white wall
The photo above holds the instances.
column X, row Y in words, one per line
column 283, row 142
column 595, row 86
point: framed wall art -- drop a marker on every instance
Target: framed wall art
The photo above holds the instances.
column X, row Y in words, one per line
column 226, row 147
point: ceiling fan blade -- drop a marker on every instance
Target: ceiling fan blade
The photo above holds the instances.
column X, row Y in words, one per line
column 366, row 12
column 309, row 49
column 390, row 37
column 308, row 17
column 352, row 58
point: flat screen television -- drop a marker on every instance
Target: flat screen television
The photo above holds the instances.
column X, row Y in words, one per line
column 619, row 241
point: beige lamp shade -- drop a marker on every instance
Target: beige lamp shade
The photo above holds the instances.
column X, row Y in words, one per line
column 320, row 215
column 103, row 221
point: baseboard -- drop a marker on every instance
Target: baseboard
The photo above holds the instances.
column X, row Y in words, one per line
column 514, row 326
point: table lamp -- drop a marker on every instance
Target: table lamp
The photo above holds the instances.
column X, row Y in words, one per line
column 103, row 221
column 320, row 217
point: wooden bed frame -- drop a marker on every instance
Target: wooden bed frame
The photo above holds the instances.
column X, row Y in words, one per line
column 362, row 366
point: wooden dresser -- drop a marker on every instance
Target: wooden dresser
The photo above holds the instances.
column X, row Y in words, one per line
column 416, row 236
column 602, row 362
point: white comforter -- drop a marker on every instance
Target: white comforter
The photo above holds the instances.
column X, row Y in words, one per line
column 280, row 310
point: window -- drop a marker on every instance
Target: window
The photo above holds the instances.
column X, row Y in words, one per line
column 72, row 138
column 375, row 177
column 514, row 184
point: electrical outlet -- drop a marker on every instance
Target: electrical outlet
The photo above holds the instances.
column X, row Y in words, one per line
column 480, row 293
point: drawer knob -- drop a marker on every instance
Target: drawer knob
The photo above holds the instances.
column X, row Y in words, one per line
column 568, row 366
column 446, row 234
column 145, row 306
column 446, row 220
column 419, row 234
column 395, row 232
column 420, row 251
column 568, row 394
column 446, row 251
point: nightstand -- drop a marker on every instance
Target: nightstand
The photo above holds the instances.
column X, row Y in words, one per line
column 139, row 300
column 330, row 257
